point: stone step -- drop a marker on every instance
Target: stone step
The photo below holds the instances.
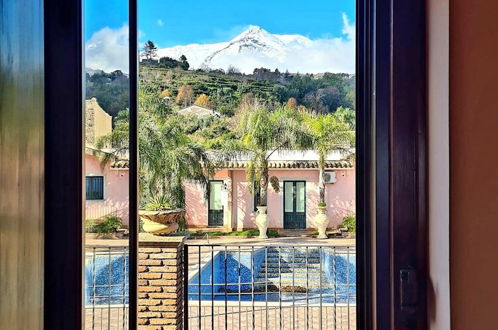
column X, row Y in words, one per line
column 273, row 270
column 295, row 260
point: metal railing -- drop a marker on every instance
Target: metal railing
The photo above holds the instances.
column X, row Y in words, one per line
column 106, row 287
column 270, row 286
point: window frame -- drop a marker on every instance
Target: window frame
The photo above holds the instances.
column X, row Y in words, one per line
column 391, row 162
column 90, row 176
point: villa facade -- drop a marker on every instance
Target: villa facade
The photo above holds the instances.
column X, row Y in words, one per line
column 230, row 205
column 107, row 190
column 106, row 185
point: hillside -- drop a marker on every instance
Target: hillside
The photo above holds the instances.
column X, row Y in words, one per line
column 321, row 92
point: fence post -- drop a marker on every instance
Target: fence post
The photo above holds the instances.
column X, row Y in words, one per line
column 160, row 282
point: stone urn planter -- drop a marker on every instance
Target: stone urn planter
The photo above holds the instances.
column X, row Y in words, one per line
column 160, row 222
column 321, row 221
column 262, row 221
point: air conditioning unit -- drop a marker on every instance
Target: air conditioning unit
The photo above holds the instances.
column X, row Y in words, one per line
column 330, row 177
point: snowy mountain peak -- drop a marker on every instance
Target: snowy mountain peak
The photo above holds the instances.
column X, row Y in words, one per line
column 253, row 31
column 255, row 48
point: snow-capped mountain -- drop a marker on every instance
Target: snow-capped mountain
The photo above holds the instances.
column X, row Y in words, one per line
column 256, row 48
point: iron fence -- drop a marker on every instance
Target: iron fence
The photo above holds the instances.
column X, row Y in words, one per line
column 106, row 287
column 270, row 287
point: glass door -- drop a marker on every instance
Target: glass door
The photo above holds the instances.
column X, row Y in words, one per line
column 215, row 212
column 294, row 205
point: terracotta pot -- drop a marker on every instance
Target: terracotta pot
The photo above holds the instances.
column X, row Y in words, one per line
column 262, row 221
column 321, row 221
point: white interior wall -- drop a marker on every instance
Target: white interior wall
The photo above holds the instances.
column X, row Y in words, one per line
column 438, row 129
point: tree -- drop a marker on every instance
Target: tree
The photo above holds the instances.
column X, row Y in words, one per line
column 261, row 132
column 168, row 159
column 184, row 63
column 168, row 155
column 291, row 103
column 185, row 96
column 348, row 116
column 203, row 101
column 328, row 133
column 150, row 50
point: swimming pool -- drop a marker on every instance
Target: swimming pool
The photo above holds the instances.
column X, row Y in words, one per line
column 106, row 278
column 323, row 274
column 326, row 275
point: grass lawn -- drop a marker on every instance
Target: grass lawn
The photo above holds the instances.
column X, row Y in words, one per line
column 245, row 233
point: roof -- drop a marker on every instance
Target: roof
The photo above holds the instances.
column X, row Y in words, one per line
column 303, row 159
column 198, row 111
column 123, row 164
column 303, row 164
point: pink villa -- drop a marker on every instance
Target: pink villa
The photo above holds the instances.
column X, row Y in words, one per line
column 106, row 186
column 230, row 205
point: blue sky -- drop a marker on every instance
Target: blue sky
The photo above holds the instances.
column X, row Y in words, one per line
column 170, row 23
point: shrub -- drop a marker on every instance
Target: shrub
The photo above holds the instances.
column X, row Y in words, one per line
column 350, row 223
column 90, row 225
column 109, row 225
column 322, row 204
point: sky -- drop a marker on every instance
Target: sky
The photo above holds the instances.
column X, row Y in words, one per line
column 170, row 23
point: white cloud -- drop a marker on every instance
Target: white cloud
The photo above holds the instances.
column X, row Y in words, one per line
column 326, row 54
column 300, row 54
column 107, row 49
column 160, row 22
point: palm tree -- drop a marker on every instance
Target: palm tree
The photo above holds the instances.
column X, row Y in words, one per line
column 168, row 155
column 328, row 133
column 263, row 131
column 168, row 158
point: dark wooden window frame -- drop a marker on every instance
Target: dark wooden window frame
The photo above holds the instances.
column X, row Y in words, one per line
column 89, row 196
column 391, row 164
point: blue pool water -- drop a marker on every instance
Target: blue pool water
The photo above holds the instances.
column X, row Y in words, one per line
column 106, row 279
column 286, row 273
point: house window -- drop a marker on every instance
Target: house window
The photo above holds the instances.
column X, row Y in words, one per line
column 94, row 187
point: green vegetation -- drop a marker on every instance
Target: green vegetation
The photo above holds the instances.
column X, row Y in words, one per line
column 245, row 233
column 110, row 89
column 90, row 225
column 261, row 131
column 108, row 225
column 327, row 132
column 322, row 204
column 350, row 223
column 262, row 113
column 322, row 93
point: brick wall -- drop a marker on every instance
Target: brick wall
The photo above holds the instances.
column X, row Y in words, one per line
column 160, row 284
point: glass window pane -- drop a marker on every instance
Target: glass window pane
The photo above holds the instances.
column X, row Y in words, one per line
column 300, row 196
column 289, row 196
column 106, row 81
column 215, row 196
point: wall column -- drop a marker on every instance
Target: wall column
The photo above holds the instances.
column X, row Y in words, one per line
column 160, row 282
column 227, row 214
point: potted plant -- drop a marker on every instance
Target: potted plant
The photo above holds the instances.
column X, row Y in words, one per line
column 159, row 217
